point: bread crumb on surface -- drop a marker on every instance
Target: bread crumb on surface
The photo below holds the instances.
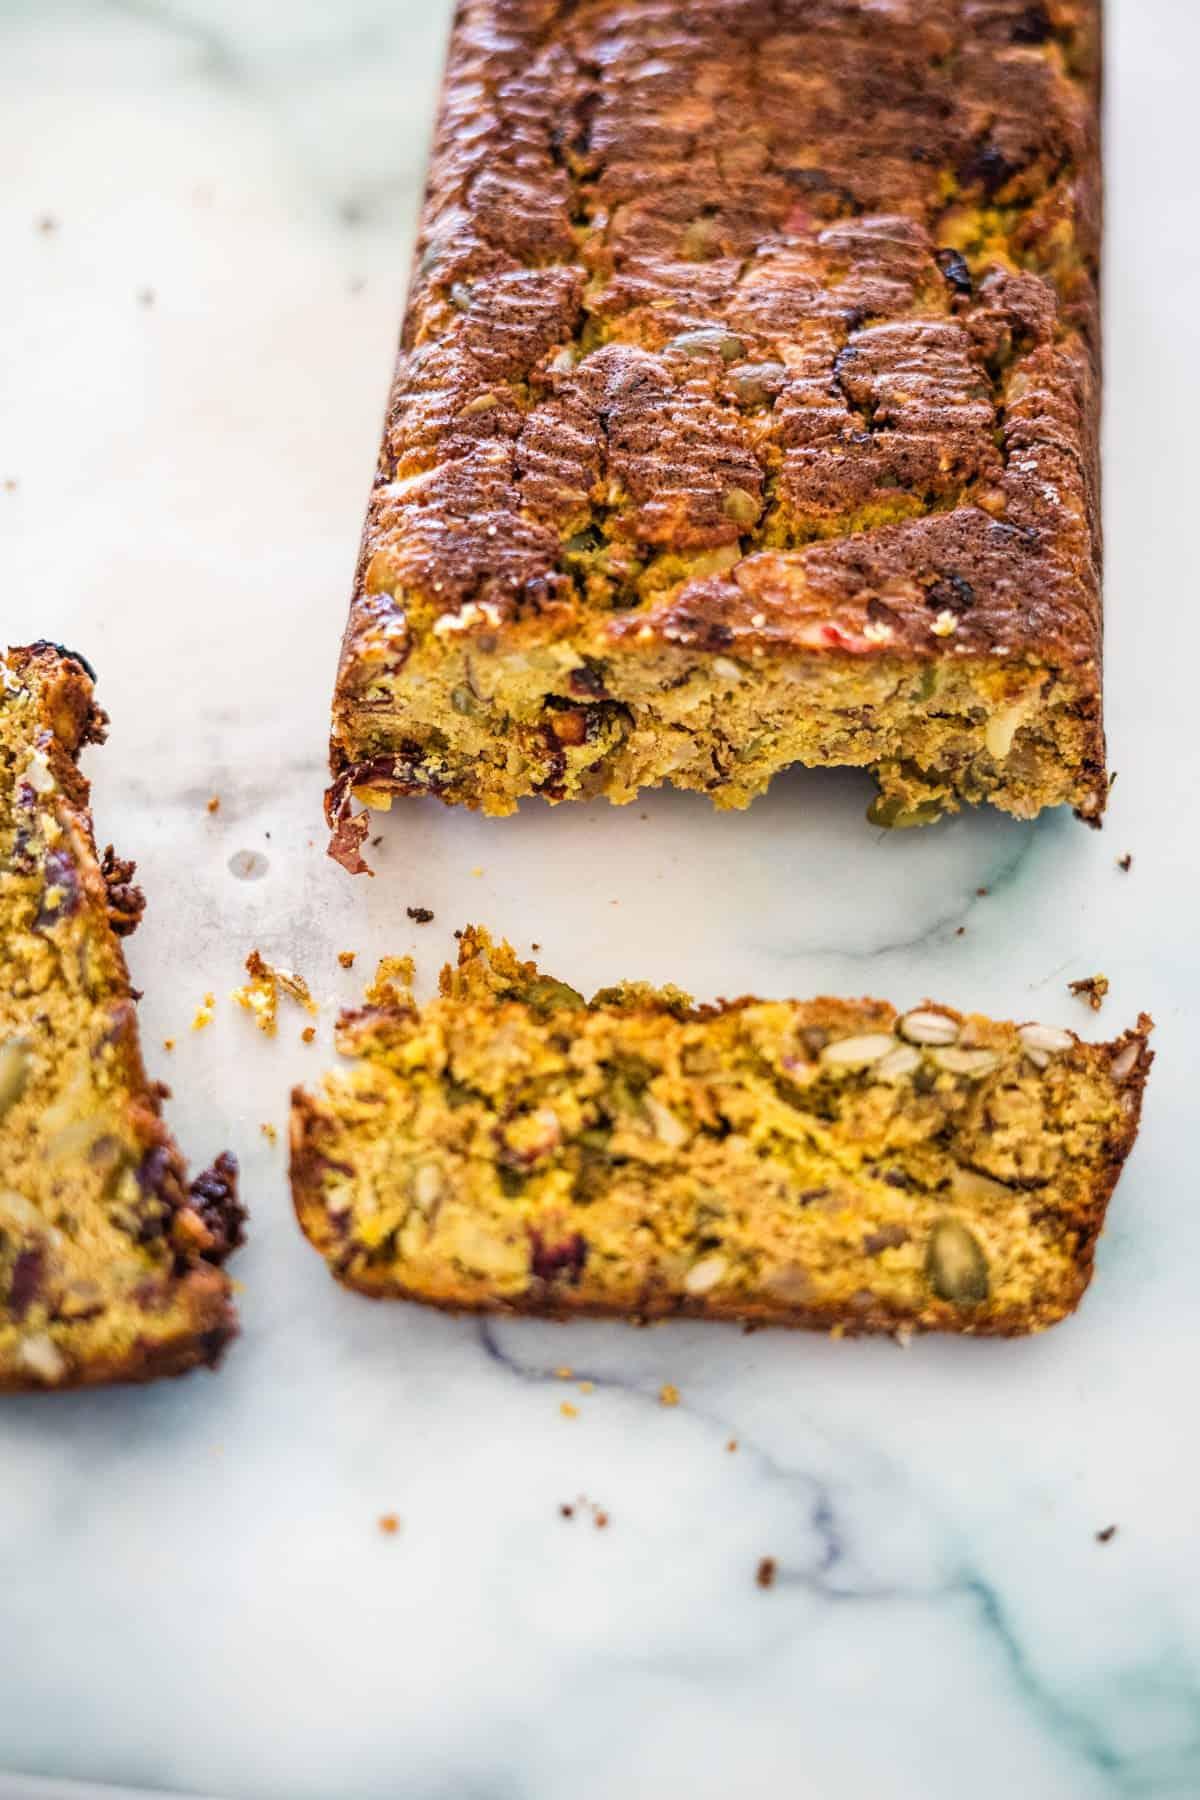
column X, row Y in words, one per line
column 477, row 870
column 1125, row 862
column 260, row 995
column 205, row 1015
column 214, row 804
column 168, row 1043
column 568, row 1411
column 389, row 1524
column 308, row 1034
column 668, row 1394
column 346, row 958
column 764, row 1575
column 732, row 1445
column 585, row 1387
column 420, row 915
column 1092, row 990
column 1107, row 1535
column 270, row 1132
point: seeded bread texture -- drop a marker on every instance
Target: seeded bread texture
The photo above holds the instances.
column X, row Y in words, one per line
column 108, row 1259
column 828, row 1163
column 746, row 413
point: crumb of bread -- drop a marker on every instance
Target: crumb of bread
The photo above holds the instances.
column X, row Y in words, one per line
column 270, row 1133
column 214, row 804
column 564, row 1371
column 205, row 1014
column 308, row 1034
column 420, row 915
column 389, row 1524
column 568, row 1411
column 668, row 1394
column 1091, row 990
column 1125, row 862
column 168, row 1043
column 346, row 958
column 393, row 981
column 732, row 1445
column 260, row 995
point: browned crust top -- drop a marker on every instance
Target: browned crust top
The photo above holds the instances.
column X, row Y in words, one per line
column 803, row 289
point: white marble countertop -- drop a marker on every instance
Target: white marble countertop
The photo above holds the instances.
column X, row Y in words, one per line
column 204, row 212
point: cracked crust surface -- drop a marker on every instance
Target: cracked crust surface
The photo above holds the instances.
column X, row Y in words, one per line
column 826, row 1163
column 757, row 334
column 109, row 1260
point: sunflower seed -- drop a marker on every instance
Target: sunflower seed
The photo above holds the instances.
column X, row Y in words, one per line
column 925, row 1026
column 1048, row 1038
column 1126, row 1060
column 705, row 1275
column 857, row 1052
column 957, row 1061
column 955, row 1265
column 898, row 1064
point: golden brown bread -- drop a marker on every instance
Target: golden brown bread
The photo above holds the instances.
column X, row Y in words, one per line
column 746, row 412
column 109, row 1261
column 826, row 1163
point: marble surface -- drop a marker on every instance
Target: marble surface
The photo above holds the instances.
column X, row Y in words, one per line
column 205, row 207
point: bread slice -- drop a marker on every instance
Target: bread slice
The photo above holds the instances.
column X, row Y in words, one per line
column 824, row 1163
column 109, row 1262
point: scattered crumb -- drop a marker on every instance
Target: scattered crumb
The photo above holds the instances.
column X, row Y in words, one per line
column 982, row 893
column 1107, row 1535
column 346, row 958
column 586, row 1387
column 214, row 804
column 420, row 915
column 393, row 981
column 389, row 1524
column 732, row 1445
column 1092, row 989
column 567, row 1510
column 599, row 1518
column 764, row 1575
column 568, row 1411
column 10, row 484
column 308, row 1034
column 376, row 841
column 564, row 1371
column 269, row 1132
column 47, row 223
column 668, row 1394
column 205, row 1014
column 535, row 948
column 477, row 870
column 260, row 995
column 146, row 296
column 1125, row 862
column 961, row 932
column 168, row 1043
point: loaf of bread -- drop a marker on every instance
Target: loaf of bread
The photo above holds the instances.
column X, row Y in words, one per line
column 745, row 414
column 829, row 1163
column 109, row 1260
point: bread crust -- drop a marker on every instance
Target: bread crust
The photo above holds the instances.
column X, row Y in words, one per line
column 66, row 910
column 761, row 336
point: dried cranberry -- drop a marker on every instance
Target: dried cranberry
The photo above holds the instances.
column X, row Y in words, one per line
column 566, row 1259
column 950, row 593
column 26, row 1282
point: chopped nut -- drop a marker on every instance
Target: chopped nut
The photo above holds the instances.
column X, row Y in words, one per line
column 42, row 1357
column 1126, row 1060
column 900, row 1063
column 668, row 1394
column 955, row 1264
